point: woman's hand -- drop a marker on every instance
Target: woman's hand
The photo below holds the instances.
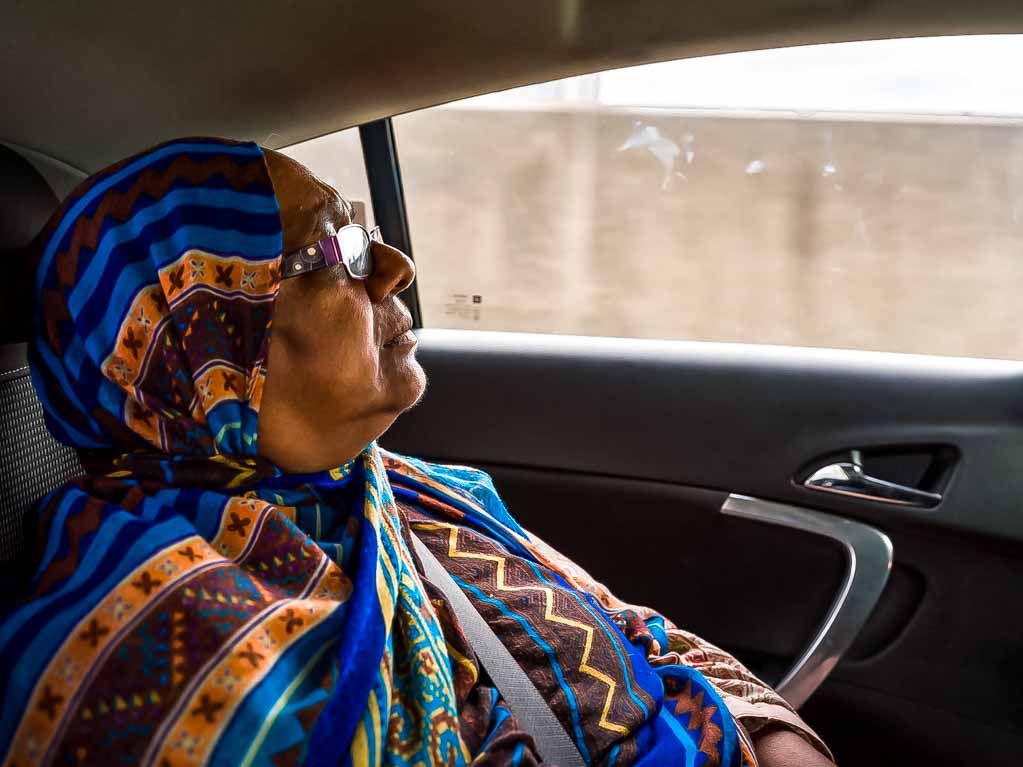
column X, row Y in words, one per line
column 781, row 747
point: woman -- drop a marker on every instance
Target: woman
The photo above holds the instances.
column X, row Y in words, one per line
column 233, row 582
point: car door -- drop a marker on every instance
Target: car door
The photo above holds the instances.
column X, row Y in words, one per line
column 845, row 520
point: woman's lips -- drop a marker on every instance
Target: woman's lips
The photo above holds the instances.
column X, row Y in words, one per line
column 405, row 338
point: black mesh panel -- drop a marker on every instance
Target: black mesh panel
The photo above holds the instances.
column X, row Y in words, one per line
column 31, row 461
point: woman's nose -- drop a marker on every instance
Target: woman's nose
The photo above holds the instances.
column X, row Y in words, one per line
column 393, row 271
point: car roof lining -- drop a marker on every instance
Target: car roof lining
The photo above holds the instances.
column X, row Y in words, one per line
column 95, row 82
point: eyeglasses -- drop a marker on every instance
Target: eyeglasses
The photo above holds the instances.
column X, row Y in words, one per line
column 351, row 246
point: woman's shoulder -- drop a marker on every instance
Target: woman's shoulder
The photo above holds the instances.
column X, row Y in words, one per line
column 474, row 481
column 466, row 483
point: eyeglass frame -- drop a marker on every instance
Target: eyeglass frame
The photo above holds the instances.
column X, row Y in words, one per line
column 327, row 252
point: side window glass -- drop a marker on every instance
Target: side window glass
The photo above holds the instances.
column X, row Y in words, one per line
column 858, row 195
column 336, row 158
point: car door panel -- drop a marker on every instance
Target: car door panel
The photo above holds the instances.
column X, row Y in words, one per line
column 621, row 453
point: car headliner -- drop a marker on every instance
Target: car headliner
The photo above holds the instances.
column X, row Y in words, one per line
column 88, row 83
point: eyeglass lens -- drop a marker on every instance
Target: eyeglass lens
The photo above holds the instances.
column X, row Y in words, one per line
column 354, row 244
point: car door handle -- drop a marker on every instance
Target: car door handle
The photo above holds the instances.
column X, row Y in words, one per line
column 868, row 561
column 848, row 478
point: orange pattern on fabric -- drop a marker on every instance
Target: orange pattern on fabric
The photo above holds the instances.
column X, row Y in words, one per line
column 151, row 307
column 91, row 637
column 124, row 364
column 192, row 737
column 150, row 312
column 282, row 623
column 218, row 382
column 197, row 267
column 87, row 642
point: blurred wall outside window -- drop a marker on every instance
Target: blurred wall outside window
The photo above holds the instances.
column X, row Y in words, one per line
column 856, row 195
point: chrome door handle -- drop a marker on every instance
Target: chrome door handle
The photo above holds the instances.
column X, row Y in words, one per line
column 848, row 478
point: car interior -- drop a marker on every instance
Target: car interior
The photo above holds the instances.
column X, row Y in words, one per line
column 847, row 523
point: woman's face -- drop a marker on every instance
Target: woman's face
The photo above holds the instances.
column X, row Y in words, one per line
column 341, row 363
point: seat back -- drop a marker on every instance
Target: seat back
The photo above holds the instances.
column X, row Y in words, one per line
column 26, row 201
column 31, row 461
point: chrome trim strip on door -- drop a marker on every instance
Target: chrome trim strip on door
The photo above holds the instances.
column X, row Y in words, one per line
column 868, row 554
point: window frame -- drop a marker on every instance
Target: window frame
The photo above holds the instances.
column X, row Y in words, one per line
column 387, row 196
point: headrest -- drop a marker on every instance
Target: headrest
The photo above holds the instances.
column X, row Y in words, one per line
column 26, row 202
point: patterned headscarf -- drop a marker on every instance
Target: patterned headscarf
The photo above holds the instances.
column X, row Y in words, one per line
column 156, row 287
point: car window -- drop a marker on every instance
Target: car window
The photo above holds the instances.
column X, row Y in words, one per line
column 337, row 159
column 858, row 195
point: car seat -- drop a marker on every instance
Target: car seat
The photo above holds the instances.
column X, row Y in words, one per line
column 31, row 461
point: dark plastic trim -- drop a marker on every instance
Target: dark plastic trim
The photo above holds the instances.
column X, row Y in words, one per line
column 388, row 197
column 13, row 360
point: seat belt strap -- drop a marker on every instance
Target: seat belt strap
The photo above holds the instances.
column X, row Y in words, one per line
column 522, row 697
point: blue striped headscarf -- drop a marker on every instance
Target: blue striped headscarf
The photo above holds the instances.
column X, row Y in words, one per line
column 156, row 281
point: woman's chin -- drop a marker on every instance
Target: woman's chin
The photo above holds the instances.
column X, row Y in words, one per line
column 406, row 382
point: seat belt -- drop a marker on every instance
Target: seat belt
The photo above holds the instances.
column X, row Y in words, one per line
column 522, row 697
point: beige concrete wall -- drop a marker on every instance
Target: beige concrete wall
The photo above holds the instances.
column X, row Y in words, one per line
column 895, row 236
